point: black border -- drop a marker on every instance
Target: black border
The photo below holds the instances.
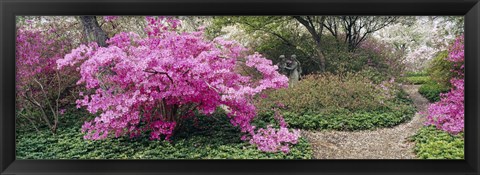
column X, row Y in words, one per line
column 10, row 8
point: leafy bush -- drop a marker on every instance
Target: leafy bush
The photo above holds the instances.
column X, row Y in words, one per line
column 205, row 138
column 382, row 57
column 415, row 80
column 349, row 102
column 432, row 90
column 416, row 74
column 448, row 113
column 373, row 59
column 42, row 91
column 375, row 75
column 431, row 143
column 317, row 93
column 440, row 69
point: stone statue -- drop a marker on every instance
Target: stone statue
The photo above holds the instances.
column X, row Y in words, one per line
column 293, row 68
column 282, row 64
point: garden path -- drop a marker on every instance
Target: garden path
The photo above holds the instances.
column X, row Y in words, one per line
column 383, row 143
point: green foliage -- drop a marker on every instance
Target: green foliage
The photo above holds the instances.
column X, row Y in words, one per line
column 432, row 90
column 353, row 120
column 439, row 69
column 283, row 35
column 217, row 139
column 349, row 121
column 351, row 102
column 431, row 143
column 273, row 36
column 415, row 79
column 416, row 74
column 317, row 93
column 373, row 60
column 375, row 75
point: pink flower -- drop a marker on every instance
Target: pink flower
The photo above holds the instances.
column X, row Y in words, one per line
column 62, row 111
column 110, row 18
column 448, row 113
column 163, row 78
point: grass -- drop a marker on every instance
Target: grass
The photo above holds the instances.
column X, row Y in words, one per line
column 217, row 139
column 431, row 143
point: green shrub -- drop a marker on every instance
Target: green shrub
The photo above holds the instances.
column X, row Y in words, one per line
column 317, row 93
column 346, row 120
column 415, row 79
column 416, row 74
column 432, row 90
column 439, row 69
column 373, row 74
column 350, row 102
column 215, row 140
column 431, row 143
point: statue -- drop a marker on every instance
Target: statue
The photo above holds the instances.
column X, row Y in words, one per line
column 282, row 64
column 294, row 70
column 291, row 68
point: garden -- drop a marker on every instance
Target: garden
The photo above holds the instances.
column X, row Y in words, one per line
column 239, row 87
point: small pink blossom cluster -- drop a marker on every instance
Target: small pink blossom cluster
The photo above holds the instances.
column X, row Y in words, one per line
column 386, row 90
column 110, row 18
column 448, row 113
column 36, row 55
column 157, row 25
column 162, row 128
column 274, row 140
column 152, row 84
column 456, row 55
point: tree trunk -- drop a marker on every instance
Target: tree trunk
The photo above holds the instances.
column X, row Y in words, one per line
column 308, row 23
column 321, row 58
column 93, row 31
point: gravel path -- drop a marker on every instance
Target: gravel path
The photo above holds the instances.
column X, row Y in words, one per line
column 384, row 143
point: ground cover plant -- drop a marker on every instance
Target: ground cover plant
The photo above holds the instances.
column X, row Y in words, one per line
column 432, row 143
column 207, row 138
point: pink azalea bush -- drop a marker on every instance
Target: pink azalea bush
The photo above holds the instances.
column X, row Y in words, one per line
column 40, row 86
column 151, row 85
column 448, row 113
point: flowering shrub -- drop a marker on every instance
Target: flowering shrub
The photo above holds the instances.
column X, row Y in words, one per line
column 448, row 113
column 110, row 18
column 382, row 57
column 140, row 85
column 41, row 90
